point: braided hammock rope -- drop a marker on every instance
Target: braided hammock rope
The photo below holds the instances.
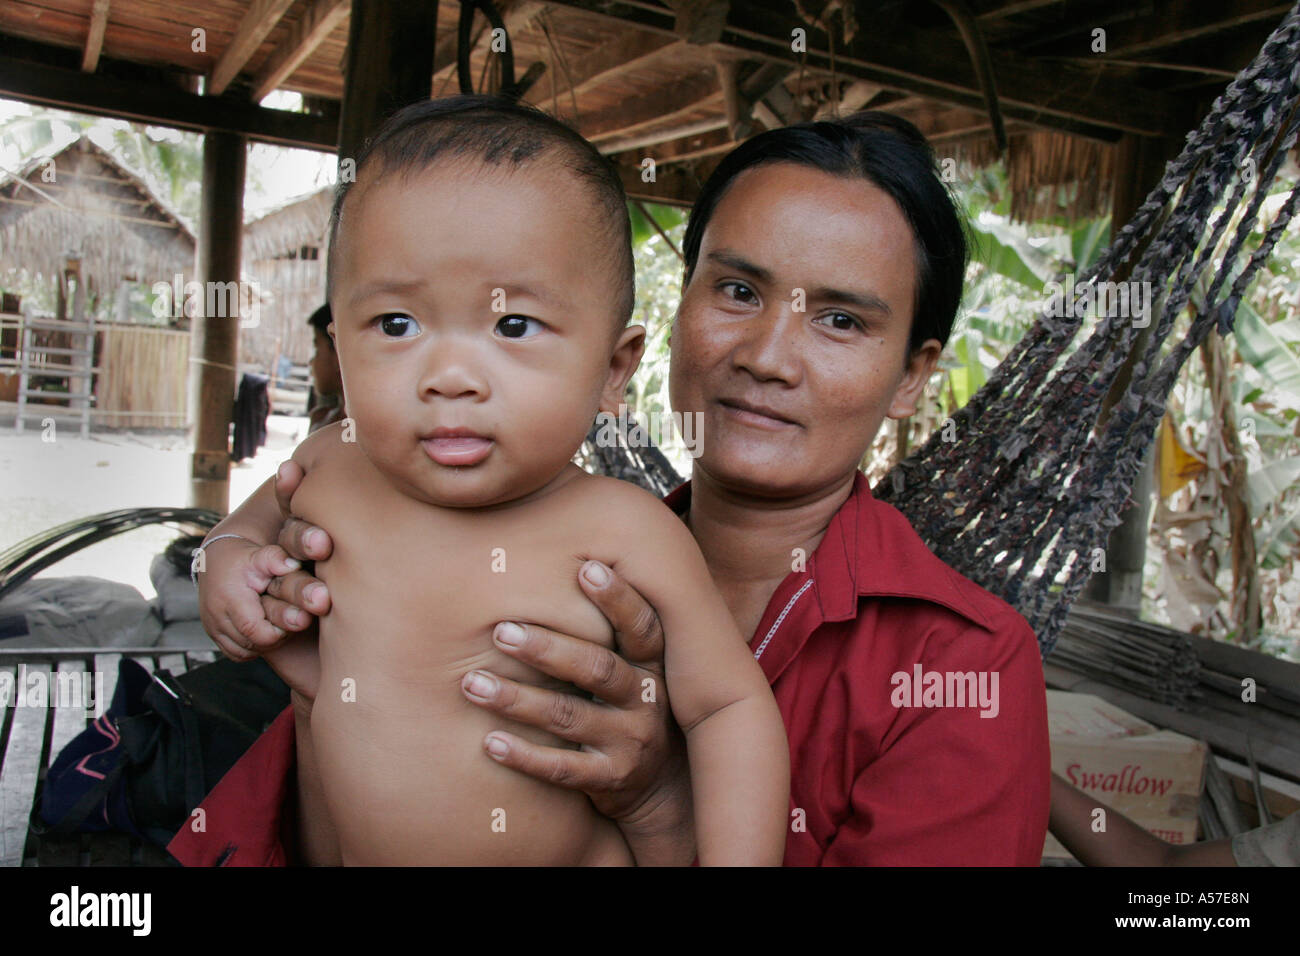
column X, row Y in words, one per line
column 1030, row 487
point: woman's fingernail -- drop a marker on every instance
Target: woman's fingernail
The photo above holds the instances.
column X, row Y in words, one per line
column 497, row 747
column 509, row 634
column 294, row 616
column 279, row 472
column 595, row 572
column 480, row 685
column 291, row 564
column 314, row 593
column 313, row 539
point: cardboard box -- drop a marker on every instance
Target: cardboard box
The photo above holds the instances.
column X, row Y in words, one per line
column 1154, row 777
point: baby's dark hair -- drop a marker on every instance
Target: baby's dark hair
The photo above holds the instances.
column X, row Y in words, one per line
column 496, row 131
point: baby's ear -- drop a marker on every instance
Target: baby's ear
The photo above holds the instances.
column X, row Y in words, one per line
column 623, row 362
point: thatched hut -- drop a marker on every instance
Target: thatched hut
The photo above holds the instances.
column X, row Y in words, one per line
column 78, row 204
column 81, row 201
column 284, row 254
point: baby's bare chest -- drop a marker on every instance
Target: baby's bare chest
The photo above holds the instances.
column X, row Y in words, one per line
column 416, row 585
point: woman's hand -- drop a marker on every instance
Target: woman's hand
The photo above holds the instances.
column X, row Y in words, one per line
column 250, row 596
column 632, row 761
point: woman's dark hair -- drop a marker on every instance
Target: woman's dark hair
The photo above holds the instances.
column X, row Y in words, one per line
column 888, row 152
column 320, row 321
column 496, row 131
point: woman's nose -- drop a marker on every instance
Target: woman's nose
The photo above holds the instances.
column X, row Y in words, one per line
column 768, row 346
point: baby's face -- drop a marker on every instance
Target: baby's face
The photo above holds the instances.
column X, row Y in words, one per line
column 473, row 314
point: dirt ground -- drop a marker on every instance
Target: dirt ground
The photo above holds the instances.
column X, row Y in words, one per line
column 44, row 484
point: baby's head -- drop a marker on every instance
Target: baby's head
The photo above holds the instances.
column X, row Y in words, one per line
column 480, row 279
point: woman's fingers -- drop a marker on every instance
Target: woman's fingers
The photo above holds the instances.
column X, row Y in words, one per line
column 304, row 541
column 571, row 769
column 597, row 670
column 637, row 629
column 287, row 478
column 300, row 589
column 284, row 615
column 566, row 715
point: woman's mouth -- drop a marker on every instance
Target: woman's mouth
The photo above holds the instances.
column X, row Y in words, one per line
column 456, row 446
column 759, row 416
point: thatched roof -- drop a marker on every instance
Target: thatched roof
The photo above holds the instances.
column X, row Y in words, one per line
column 283, row 232
column 81, row 200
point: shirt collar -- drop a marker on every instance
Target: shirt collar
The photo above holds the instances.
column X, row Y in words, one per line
column 870, row 550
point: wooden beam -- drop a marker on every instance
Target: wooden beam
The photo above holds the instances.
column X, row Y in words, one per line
column 260, row 20
column 934, row 63
column 215, row 339
column 1171, row 25
column 158, row 102
column 389, row 65
column 672, row 185
column 95, row 36
column 1013, row 8
column 654, row 137
column 637, row 114
column 318, row 22
column 628, row 52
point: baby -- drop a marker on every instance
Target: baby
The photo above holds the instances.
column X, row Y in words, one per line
column 480, row 278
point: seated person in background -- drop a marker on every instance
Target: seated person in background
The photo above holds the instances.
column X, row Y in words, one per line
column 480, row 276
column 327, row 385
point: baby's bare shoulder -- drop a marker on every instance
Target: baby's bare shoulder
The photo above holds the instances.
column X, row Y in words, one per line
column 623, row 520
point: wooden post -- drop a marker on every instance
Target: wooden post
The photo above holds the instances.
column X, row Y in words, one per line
column 1139, row 164
column 214, row 340
column 389, row 64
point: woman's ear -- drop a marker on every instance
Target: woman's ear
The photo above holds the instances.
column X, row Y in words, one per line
column 920, row 366
column 622, row 364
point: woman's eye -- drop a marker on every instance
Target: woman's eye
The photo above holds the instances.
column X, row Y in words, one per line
column 398, row 326
column 740, row 292
column 517, row 326
column 841, row 322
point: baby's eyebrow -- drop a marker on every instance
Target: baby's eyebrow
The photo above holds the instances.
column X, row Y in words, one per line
column 541, row 293
column 379, row 286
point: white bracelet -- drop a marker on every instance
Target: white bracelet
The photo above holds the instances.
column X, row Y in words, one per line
column 194, row 563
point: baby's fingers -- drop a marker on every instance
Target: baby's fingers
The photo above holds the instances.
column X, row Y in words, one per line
column 270, row 562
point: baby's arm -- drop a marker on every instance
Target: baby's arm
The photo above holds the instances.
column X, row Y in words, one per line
column 735, row 737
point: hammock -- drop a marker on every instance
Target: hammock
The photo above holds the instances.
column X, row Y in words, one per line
column 1030, row 486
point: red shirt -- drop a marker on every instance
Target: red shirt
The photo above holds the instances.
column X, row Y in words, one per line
column 882, row 772
column 881, row 784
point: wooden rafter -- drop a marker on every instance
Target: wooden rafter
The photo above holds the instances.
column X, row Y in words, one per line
column 95, row 36
column 318, row 21
column 260, row 20
column 629, row 52
column 934, row 63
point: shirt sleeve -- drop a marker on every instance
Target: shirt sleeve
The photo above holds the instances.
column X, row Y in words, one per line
column 1277, row 844
column 950, row 787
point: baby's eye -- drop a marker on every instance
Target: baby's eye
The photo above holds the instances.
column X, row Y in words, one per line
column 841, row 321
column 398, row 326
column 516, row 326
column 740, row 292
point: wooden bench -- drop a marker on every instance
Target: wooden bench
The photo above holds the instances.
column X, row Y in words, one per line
column 32, row 736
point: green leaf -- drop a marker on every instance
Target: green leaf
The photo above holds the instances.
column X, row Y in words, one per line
column 1261, row 345
column 1270, row 482
column 1006, row 252
column 1088, row 240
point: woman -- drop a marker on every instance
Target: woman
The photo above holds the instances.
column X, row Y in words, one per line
column 824, row 265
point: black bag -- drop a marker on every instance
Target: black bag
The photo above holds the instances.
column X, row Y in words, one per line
column 159, row 749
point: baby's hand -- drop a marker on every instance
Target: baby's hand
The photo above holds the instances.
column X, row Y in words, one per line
column 235, row 574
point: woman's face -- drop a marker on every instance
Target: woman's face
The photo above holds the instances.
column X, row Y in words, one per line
column 792, row 336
